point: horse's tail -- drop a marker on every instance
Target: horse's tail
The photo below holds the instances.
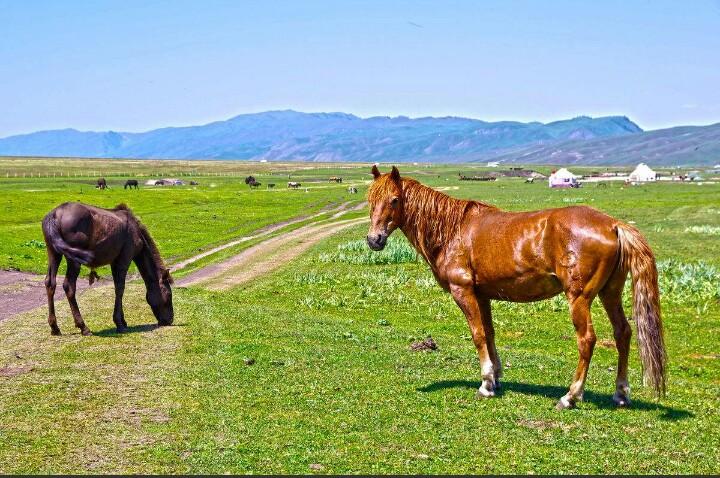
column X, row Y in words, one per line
column 55, row 241
column 637, row 258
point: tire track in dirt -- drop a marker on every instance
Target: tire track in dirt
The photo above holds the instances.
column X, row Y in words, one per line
column 267, row 230
column 264, row 257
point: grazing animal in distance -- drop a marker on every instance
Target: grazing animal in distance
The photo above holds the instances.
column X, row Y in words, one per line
column 480, row 253
column 352, row 190
column 131, row 183
column 270, row 185
column 255, row 185
column 193, row 183
column 336, row 179
column 94, row 237
column 529, row 180
column 101, row 184
column 293, row 185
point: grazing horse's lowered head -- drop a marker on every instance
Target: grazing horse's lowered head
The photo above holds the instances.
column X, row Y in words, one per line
column 159, row 291
column 94, row 237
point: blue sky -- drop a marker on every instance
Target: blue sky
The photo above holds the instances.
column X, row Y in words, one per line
column 133, row 66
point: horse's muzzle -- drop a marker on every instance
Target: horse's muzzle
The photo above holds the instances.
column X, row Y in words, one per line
column 377, row 243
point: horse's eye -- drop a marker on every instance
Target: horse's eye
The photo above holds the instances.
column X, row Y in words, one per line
column 394, row 202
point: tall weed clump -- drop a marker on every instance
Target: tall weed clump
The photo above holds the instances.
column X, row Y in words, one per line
column 397, row 251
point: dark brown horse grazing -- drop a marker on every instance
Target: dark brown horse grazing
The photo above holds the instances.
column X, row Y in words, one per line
column 479, row 253
column 91, row 236
column 131, row 183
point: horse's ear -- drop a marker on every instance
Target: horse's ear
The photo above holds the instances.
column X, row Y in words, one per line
column 166, row 277
column 375, row 171
column 395, row 174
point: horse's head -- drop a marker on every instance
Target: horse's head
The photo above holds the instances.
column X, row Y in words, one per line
column 386, row 207
column 159, row 297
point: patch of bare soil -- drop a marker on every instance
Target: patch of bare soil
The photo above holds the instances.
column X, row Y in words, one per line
column 14, row 370
column 22, row 291
column 427, row 344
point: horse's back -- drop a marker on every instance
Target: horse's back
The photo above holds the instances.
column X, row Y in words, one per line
column 534, row 255
column 104, row 231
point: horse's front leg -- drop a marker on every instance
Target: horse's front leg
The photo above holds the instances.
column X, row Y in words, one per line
column 477, row 313
column 119, row 273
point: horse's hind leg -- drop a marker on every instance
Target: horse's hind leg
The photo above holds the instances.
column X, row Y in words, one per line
column 611, row 297
column 54, row 260
column 119, row 274
column 580, row 312
column 70, row 286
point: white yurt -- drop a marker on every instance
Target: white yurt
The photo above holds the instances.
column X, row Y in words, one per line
column 562, row 178
column 643, row 173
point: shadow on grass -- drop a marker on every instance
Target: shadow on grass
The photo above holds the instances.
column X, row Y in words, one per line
column 554, row 392
column 135, row 329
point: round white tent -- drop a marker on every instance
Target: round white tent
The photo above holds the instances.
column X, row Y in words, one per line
column 562, row 178
column 643, row 173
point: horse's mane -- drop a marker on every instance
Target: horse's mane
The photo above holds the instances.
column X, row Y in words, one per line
column 431, row 218
column 162, row 271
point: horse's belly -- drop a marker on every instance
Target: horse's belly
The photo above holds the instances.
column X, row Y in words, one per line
column 521, row 289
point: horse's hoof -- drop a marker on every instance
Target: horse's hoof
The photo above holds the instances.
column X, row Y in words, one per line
column 121, row 330
column 565, row 404
column 621, row 401
column 86, row 332
column 483, row 393
column 55, row 332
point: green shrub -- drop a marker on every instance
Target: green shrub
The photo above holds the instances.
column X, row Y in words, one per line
column 688, row 280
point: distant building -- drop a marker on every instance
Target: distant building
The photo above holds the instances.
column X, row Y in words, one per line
column 642, row 174
column 562, row 178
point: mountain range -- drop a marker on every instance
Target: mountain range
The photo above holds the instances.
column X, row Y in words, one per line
column 291, row 135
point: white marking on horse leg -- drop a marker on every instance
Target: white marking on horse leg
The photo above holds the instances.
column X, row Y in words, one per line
column 566, row 401
column 487, row 389
column 576, row 390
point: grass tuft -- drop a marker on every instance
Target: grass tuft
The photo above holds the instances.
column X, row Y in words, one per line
column 397, row 251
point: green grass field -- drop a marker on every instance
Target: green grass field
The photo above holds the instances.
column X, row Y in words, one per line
column 334, row 387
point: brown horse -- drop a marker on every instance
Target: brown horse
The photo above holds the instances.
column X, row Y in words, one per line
column 91, row 236
column 480, row 253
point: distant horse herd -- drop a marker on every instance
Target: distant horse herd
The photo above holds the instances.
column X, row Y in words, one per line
column 251, row 181
column 477, row 252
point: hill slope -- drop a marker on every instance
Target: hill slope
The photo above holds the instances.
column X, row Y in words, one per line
column 291, row 135
column 679, row 146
